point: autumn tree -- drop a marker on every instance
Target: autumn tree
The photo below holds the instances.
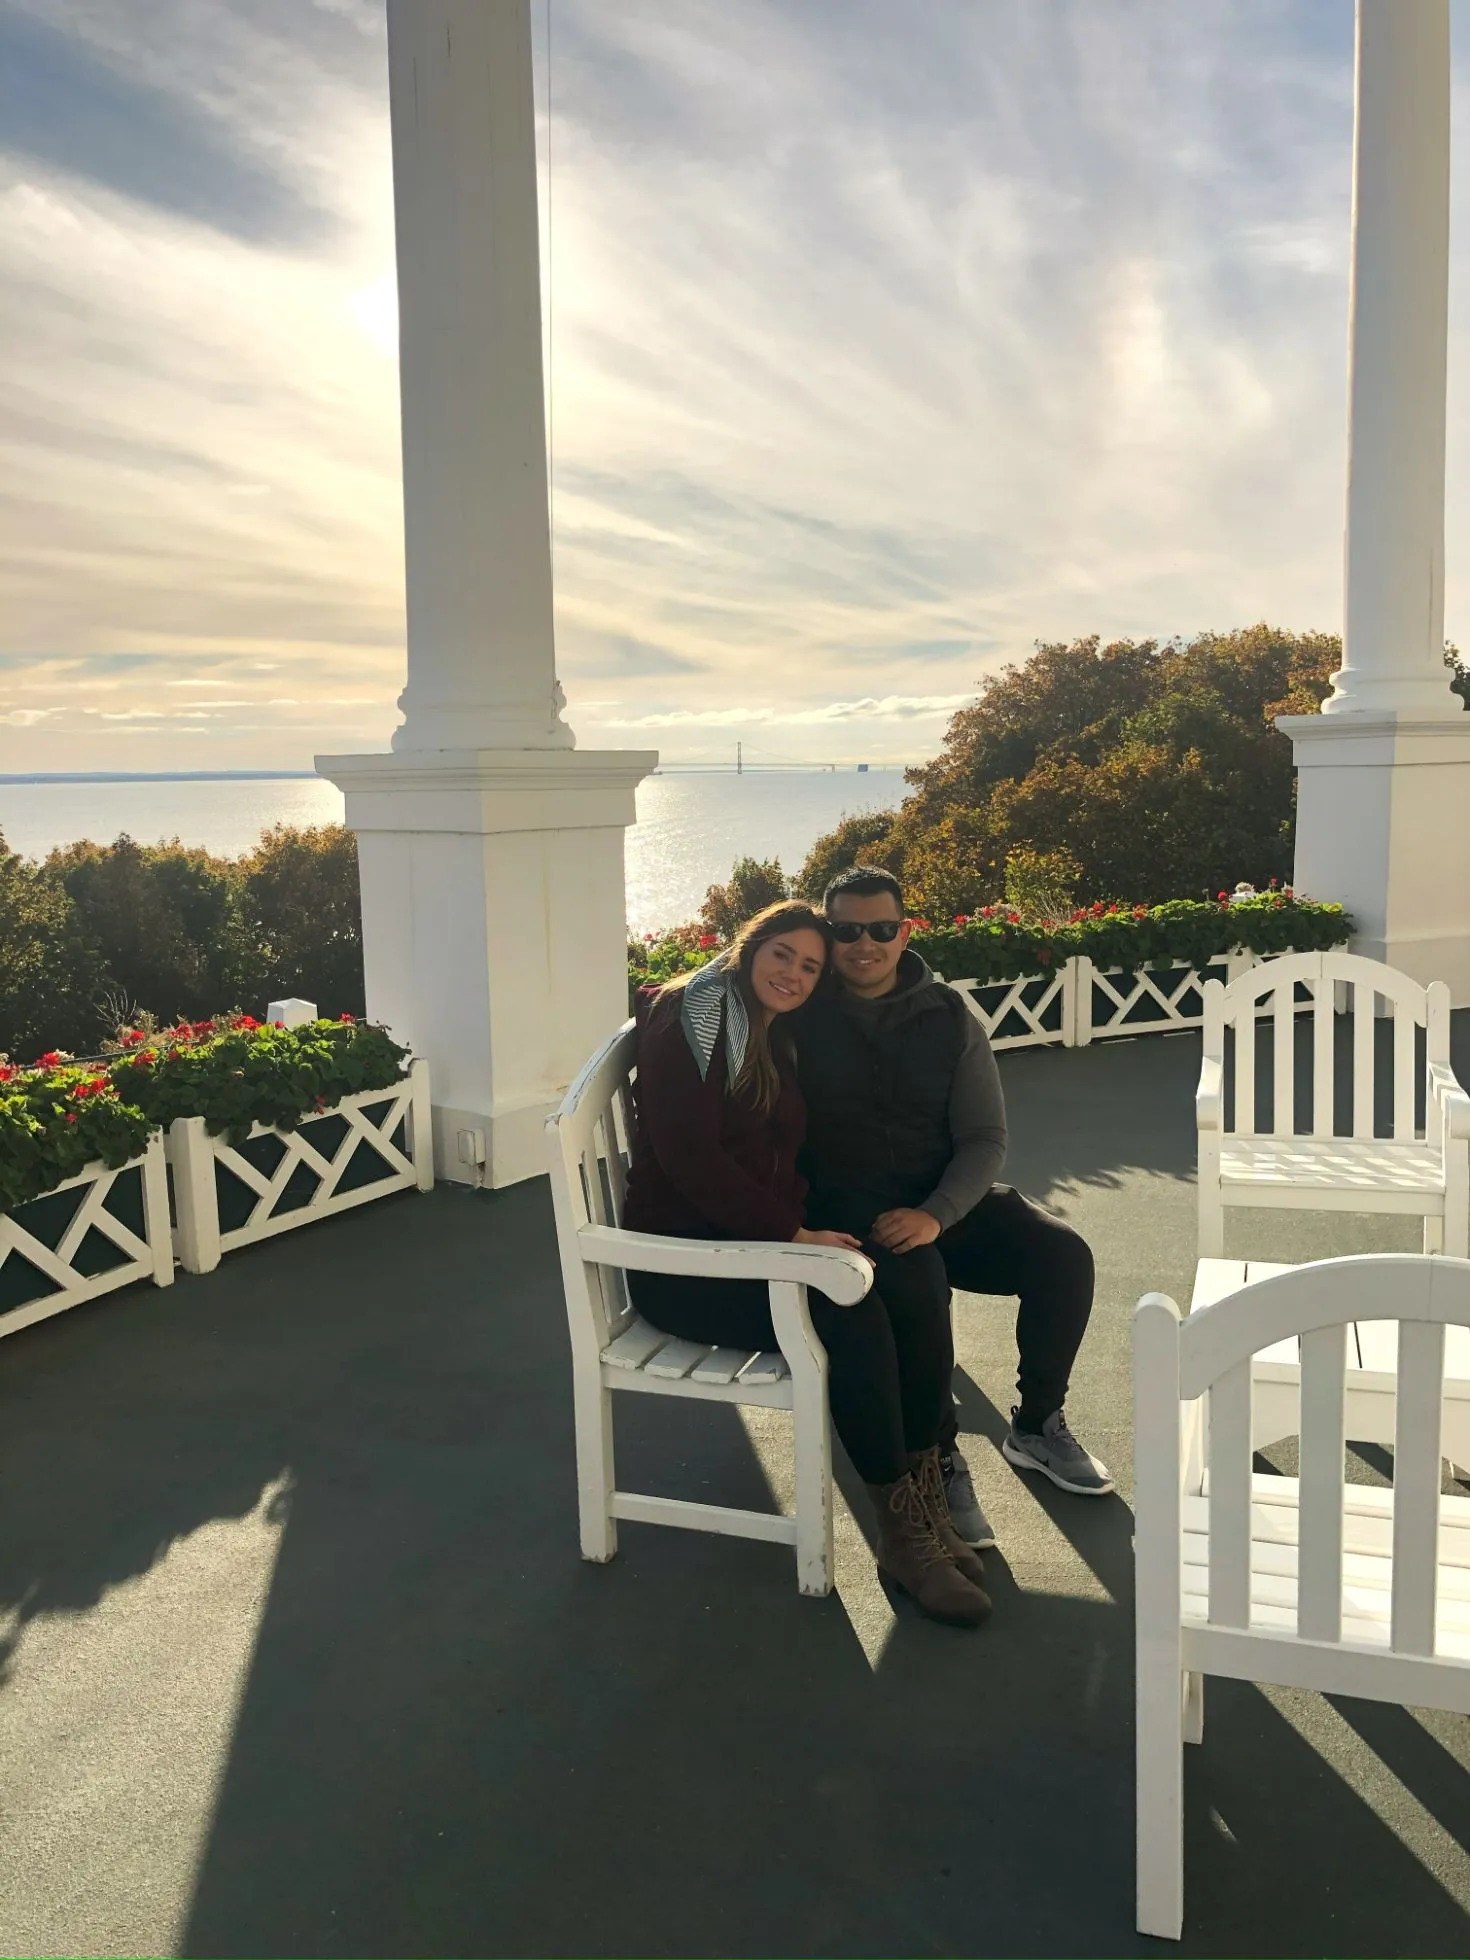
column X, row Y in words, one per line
column 303, row 908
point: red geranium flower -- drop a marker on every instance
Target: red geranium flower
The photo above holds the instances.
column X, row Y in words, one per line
column 1140, row 911
column 6, row 1072
column 71, row 1116
column 133, row 1037
column 245, row 1021
column 54, row 1057
column 1222, row 896
column 352, row 1018
column 962, row 918
column 708, row 939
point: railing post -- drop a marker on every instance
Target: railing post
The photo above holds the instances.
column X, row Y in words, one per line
column 196, row 1201
column 1081, row 1001
column 155, row 1211
column 422, row 1124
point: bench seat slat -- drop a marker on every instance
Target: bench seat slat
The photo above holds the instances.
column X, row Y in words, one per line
column 635, row 1346
column 1336, row 1163
column 765, row 1368
column 722, row 1365
column 678, row 1359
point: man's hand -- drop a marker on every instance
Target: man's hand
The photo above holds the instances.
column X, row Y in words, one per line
column 903, row 1229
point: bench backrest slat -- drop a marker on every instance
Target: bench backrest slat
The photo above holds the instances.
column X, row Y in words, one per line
column 1323, row 1411
column 1364, row 1014
column 1416, row 1475
column 1324, row 992
column 588, row 1181
column 1230, row 1498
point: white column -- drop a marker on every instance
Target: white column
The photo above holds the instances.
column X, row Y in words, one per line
column 491, row 852
column 1383, row 812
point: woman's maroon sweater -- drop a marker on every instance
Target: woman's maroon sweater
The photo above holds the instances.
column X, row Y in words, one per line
column 705, row 1164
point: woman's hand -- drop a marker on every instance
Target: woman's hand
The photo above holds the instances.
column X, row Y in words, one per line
column 844, row 1240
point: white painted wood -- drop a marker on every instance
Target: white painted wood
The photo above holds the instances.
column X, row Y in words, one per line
column 807, row 1360
column 1158, row 1670
column 721, row 1365
column 1323, row 1418
column 1425, row 1176
column 196, row 1208
column 1323, row 992
column 639, row 1508
column 149, row 1257
column 421, row 1123
column 678, row 1359
column 1364, row 1017
column 764, row 1368
column 618, row 1351
column 193, row 1153
column 635, row 1347
column 1313, row 1583
column 997, row 1005
column 1229, row 1484
column 1416, row 1479
column 1283, row 1057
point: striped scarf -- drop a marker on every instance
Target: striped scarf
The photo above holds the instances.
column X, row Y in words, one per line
column 714, row 991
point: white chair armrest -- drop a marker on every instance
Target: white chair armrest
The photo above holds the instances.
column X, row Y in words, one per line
column 1451, row 1100
column 1209, row 1094
column 842, row 1275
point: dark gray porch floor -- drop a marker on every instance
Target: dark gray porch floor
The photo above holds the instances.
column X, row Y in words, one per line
column 301, row 1658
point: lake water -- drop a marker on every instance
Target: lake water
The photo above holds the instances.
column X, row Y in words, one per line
column 689, row 832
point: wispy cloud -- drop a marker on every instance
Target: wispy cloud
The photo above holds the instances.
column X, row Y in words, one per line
column 882, row 344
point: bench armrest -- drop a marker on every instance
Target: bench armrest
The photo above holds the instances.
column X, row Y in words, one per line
column 1450, row 1099
column 1209, row 1094
column 842, row 1275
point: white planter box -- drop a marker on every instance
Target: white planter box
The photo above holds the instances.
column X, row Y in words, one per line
column 1080, row 1003
column 278, row 1179
column 115, row 1231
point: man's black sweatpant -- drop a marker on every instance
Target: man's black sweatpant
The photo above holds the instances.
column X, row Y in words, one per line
column 1006, row 1244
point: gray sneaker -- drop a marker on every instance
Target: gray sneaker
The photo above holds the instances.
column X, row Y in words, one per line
column 964, row 1508
column 1057, row 1454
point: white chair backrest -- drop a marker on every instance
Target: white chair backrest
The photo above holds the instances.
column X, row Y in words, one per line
column 1279, row 988
column 589, row 1142
column 1210, row 1353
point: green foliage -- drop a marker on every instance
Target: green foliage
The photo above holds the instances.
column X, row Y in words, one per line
column 50, row 974
column 57, row 1120
column 166, row 921
column 863, row 838
column 233, row 1072
column 1155, row 766
column 752, row 887
column 1039, row 884
column 302, row 907
column 658, row 957
column 62, row 1115
column 997, row 944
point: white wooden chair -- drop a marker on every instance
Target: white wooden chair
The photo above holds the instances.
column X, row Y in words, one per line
column 1308, row 1582
column 612, row 1348
column 1422, row 1174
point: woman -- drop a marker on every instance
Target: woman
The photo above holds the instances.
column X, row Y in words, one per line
column 720, row 1120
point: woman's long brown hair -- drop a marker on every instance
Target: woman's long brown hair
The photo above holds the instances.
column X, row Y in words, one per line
column 759, row 1080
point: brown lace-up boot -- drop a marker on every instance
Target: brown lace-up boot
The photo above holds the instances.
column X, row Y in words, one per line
column 911, row 1556
column 924, row 1467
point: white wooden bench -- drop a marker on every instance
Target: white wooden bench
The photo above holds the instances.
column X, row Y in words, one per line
column 1423, row 1174
column 1372, row 1371
column 1308, row 1582
column 613, row 1348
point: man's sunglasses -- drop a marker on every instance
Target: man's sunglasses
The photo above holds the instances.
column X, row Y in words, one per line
column 850, row 931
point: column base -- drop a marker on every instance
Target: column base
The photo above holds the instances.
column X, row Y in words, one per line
column 1383, row 825
column 494, row 929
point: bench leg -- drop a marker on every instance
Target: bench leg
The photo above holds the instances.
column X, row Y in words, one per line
column 1211, row 1222
column 813, row 1438
column 1160, row 1852
column 595, row 1485
column 1194, row 1708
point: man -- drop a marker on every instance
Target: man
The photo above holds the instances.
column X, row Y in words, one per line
column 906, row 1131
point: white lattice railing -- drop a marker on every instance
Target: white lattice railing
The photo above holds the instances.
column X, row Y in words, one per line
column 364, row 1147
column 1081, row 1003
column 99, row 1230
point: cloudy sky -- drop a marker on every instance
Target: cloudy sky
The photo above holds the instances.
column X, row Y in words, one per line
column 885, row 339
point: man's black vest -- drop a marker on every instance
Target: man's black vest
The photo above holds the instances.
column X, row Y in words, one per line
column 877, row 1078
